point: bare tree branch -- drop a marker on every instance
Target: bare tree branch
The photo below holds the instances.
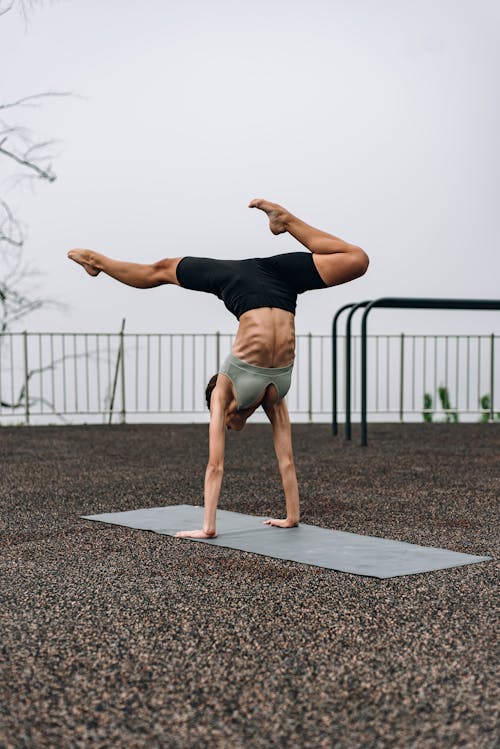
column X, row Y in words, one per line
column 10, row 228
column 19, row 145
column 42, row 173
column 6, row 10
column 24, row 7
column 24, row 99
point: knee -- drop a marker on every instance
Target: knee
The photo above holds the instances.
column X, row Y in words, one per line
column 162, row 271
column 361, row 261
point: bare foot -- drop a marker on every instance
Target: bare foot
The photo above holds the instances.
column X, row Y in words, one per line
column 84, row 257
column 280, row 523
column 196, row 534
column 278, row 216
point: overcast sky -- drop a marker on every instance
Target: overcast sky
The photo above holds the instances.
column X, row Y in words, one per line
column 377, row 120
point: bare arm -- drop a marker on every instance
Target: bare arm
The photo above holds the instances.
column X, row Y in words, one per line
column 282, row 435
column 214, row 471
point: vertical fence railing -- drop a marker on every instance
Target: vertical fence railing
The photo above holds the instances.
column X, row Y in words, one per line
column 68, row 377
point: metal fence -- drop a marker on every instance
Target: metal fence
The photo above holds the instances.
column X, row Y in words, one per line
column 103, row 377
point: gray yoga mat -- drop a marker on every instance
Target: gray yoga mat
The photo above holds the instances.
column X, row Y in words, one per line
column 307, row 544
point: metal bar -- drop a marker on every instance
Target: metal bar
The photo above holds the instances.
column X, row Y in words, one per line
column 136, row 372
column 348, row 329
column 86, row 342
column 40, row 368
column 108, row 342
column 413, row 372
column 193, row 369
column 26, row 380
column 75, row 372
column 159, row 372
column 334, row 366
column 468, row 373
column 12, row 396
column 297, row 375
column 98, row 369
column 182, row 372
column 446, row 361
column 424, row 364
column 122, row 362
column 321, row 365
column 478, row 395
column 435, row 369
column 171, row 366
column 148, row 370
column 309, row 376
column 63, row 346
column 115, row 378
column 492, row 377
column 388, row 371
column 401, row 375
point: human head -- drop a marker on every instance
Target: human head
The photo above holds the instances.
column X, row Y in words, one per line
column 209, row 389
column 235, row 419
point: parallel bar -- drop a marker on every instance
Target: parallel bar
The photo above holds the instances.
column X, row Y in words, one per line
column 408, row 303
column 348, row 329
column 334, row 366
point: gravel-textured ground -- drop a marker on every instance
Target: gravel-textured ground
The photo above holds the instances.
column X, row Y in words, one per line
column 112, row 637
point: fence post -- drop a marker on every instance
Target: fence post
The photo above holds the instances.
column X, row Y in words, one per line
column 122, row 351
column 117, row 369
column 492, row 376
column 26, row 379
column 401, row 376
column 309, row 376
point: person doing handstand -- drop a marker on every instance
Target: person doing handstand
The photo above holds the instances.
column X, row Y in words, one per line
column 262, row 294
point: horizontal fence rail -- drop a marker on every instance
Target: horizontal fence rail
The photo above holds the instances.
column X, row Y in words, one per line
column 116, row 377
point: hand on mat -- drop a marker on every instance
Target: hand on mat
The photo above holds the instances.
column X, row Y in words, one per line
column 195, row 534
column 280, row 523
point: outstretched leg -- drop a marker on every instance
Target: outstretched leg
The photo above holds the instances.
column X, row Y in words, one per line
column 346, row 261
column 142, row 276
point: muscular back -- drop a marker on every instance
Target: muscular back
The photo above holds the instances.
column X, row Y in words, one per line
column 266, row 337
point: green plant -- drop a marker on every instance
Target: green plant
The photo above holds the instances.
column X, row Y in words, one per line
column 427, row 414
column 444, row 397
column 485, row 403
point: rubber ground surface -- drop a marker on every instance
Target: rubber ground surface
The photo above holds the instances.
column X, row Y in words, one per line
column 112, row 637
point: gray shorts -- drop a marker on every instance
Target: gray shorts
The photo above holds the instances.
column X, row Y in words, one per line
column 250, row 381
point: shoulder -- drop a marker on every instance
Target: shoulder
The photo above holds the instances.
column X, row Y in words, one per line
column 223, row 392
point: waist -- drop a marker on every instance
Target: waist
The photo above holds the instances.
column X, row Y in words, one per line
column 241, row 364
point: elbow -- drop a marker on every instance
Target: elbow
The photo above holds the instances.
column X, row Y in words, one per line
column 286, row 464
column 215, row 469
